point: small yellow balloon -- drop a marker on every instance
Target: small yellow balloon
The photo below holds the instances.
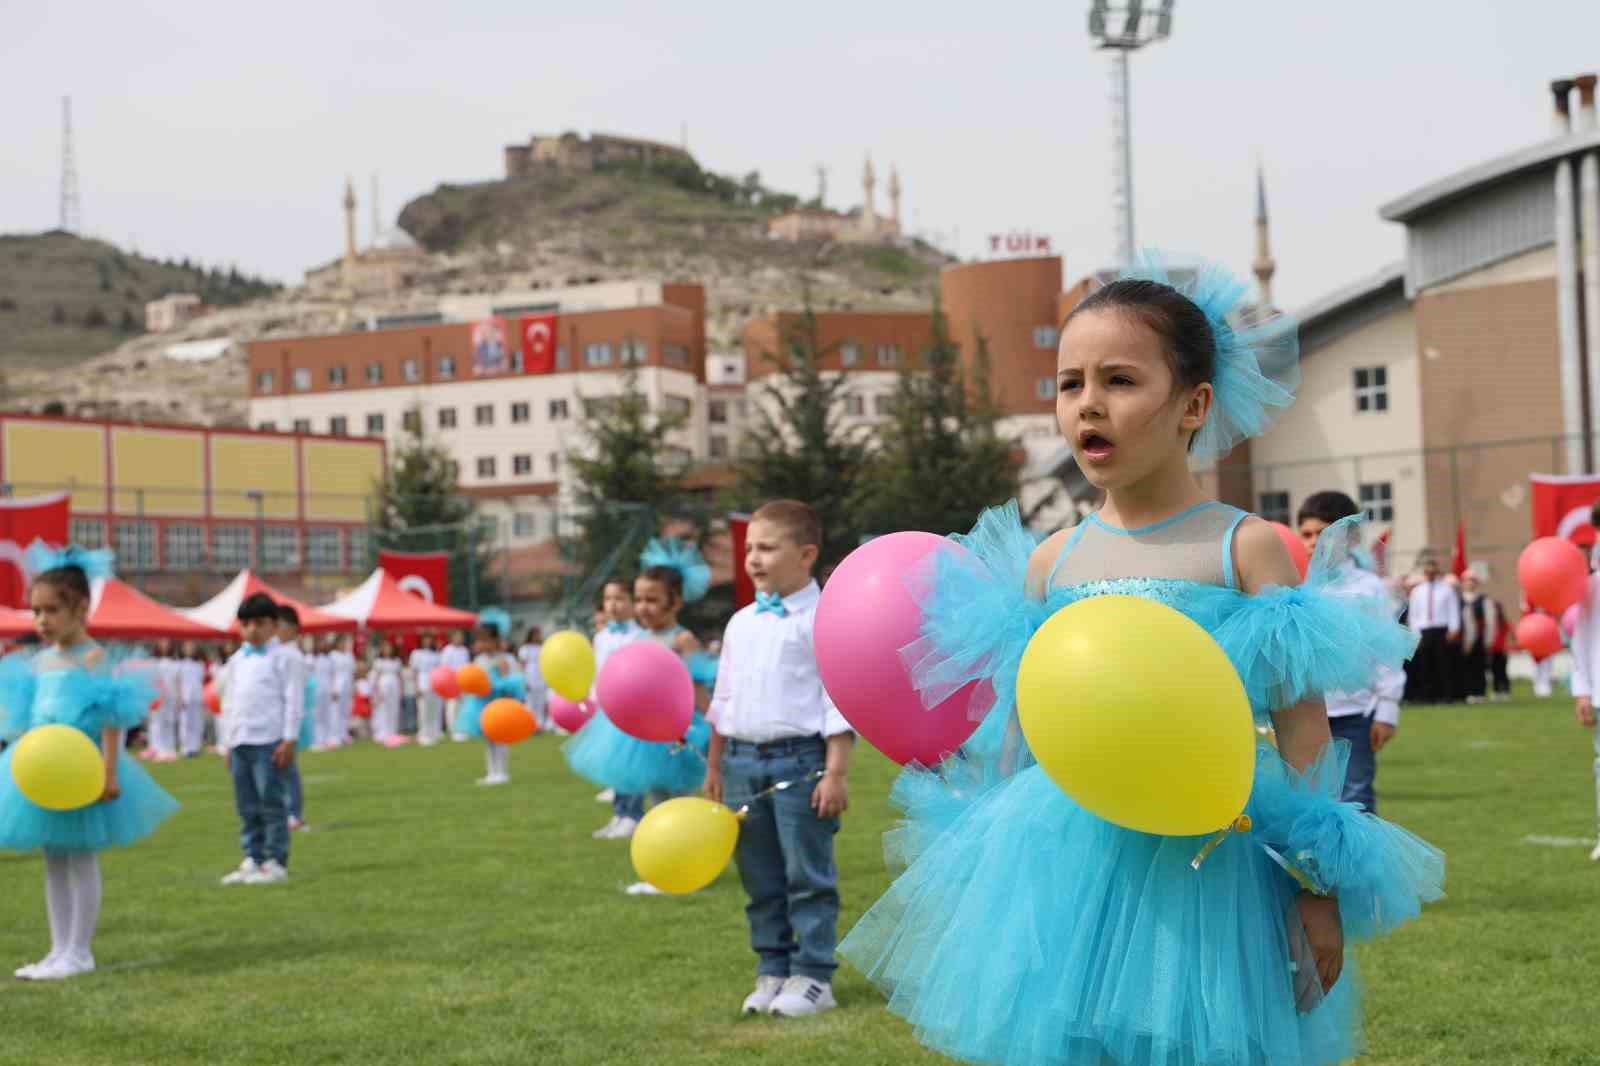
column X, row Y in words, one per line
column 683, row 844
column 1138, row 715
column 567, row 664
column 58, row 768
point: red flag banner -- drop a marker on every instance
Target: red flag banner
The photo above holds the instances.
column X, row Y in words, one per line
column 538, row 344
column 744, row 590
column 1458, row 558
column 1561, row 506
column 425, row 574
column 22, row 521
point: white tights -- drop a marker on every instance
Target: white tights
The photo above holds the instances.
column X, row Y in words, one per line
column 72, row 898
column 497, row 757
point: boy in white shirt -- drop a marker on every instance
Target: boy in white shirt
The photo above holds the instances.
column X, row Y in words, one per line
column 773, row 722
column 455, row 655
column 262, row 708
column 430, row 705
column 191, row 708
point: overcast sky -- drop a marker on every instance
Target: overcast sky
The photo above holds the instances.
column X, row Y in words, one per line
column 225, row 131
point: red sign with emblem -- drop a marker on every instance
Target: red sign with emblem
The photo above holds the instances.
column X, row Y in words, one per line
column 538, row 344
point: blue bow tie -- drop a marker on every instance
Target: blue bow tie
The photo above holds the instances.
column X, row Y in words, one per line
column 616, row 627
column 771, row 601
column 254, row 649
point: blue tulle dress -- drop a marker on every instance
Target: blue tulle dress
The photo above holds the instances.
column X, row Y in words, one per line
column 1026, row 930
column 606, row 756
column 509, row 685
column 54, row 687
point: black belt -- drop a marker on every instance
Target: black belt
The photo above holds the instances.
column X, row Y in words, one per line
column 781, row 746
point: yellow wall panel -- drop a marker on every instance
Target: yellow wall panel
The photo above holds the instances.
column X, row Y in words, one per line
column 43, row 457
column 241, row 464
column 169, row 466
column 341, row 478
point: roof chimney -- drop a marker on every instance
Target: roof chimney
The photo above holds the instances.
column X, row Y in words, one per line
column 1586, row 115
column 1562, row 88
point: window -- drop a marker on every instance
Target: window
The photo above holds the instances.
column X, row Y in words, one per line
column 675, row 458
column 336, row 375
column 374, row 423
column 718, row 446
column 183, row 547
column 598, row 405
column 136, row 545
column 280, row 548
column 264, row 381
column 88, row 532
column 447, row 418
column 677, row 405
column 411, row 421
column 563, row 362
column 486, row 466
column 339, row 425
column 888, row 355
column 1377, row 499
column 1274, row 507
column 1045, row 336
column 855, row 405
column 447, row 367
column 301, row 379
column 675, row 354
column 360, row 550
column 597, row 355
column 633, row 351
column 522, row 464
column 302, row 425
column 453, row 468
column 483, row 414
column 411, row 370
column 521, row 412
column 1045, row 388
column 555, row 462
column 883, row 403
column 230, row 547
column 267, row 427
column 717, row 412
column 522, row 523
column 558, row 410
column 850, row 354
column 374, row 373
column 1372, row 388
column 322, row 550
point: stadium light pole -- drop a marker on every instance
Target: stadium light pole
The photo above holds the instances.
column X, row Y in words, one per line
column 1123, row 28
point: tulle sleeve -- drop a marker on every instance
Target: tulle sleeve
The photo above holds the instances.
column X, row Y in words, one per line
column 122, row 695
column 703, row 669
column 1329, row 634
column 16, row 695
column 1381, row 873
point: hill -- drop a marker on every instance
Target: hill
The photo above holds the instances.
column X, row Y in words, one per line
column 65, row 298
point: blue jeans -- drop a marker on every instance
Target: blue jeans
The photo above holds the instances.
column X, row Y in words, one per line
column 627, row 805
column 785, row 857
column 260, row 792
column 297, row 793
column 1360, row 775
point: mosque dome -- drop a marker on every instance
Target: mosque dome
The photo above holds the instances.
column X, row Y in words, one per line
column 395, row 239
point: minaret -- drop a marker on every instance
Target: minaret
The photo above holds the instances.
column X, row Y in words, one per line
column 377, row 216
column 349, row 229
column 1264, row 266
column 894, row 197
column 869, row 212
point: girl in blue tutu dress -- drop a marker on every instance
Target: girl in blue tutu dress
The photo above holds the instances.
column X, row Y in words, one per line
column 505, row 681
column 69, row 681
column 1026, row 930
column 674, row 573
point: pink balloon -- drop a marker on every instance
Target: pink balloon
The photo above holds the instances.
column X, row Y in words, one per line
column 443, row 682
column 1569, row 620
column 1296, row 546
column 1553, row 573
column 1538, row 636
column 866, row 616
column 646, row 691
column 568, row 715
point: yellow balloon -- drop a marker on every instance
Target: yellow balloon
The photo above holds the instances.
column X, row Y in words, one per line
column 683, row 844
column 1138, row 714
column 567, row 663
column 58, row 768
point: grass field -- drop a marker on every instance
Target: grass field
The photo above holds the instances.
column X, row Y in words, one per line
column 430, row 921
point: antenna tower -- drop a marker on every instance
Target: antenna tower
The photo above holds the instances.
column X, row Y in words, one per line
column 71, row 210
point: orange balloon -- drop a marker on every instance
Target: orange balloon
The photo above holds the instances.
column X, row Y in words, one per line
column 507, row 721
column 474, row 680
column 1296, row 546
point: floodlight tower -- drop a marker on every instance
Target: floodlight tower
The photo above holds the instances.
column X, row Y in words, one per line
column 1123, row 28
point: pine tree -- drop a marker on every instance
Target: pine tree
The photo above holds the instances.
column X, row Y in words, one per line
column 799, row 449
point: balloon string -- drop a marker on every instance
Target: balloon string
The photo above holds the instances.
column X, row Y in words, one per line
column 1242, row 824
column 815, row 775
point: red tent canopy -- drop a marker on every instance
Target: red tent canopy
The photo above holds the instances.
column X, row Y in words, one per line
column 121, row 612
column 380, row 603
column 15, row 623
column 222, row 610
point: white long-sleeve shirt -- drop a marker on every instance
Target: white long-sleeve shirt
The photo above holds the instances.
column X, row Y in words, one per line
column 768, row 687
column 422, row 663
column 1434, row 605
column 191, row 682
column 265, row 699
column 1586, row 641
column 1382, row 697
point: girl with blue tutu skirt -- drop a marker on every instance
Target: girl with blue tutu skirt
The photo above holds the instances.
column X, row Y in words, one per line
column 1026, row 930
column 69, row 681
column 288, row 645
column 505, row 681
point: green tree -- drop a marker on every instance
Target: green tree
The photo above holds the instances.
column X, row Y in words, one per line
column 800, row 448
column 419, row 508
column 939, row 459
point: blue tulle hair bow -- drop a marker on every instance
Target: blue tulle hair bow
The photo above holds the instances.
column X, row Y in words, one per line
column 685, row 558
column 94, row 564
column 1257, row 356
column 497, row 617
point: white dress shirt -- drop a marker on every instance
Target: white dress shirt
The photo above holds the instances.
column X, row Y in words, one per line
column 609, row 640
column 1434, row 605
column 191, row 682
column 423, row 662
column 1586, row 641
column 344, row 673
column 266, row 693
column 1381, row 699
column 768, row 687
column 455, row 656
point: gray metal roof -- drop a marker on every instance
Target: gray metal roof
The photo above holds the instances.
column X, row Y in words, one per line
column 1467, row 181
column 1329, row 306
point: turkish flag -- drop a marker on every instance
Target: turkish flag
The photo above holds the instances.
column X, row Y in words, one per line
column 23, row 521
column 1561, row 507
column 744, row 590
column 1458, row 558
column 538, row 344
column 425, row 574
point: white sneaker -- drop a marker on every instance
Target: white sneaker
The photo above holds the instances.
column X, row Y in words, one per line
column 760, row 1001
column 624, row 828
column 25, row 973
column 605, row 795
column 802, row 996
column 1594, row 856
column 77, row 964
column 643, row 888
column 244, row 873
column 460, row 738
column 604, row 832
column 270, row 873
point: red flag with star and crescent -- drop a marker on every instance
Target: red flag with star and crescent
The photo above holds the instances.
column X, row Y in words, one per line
column 538, row 344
